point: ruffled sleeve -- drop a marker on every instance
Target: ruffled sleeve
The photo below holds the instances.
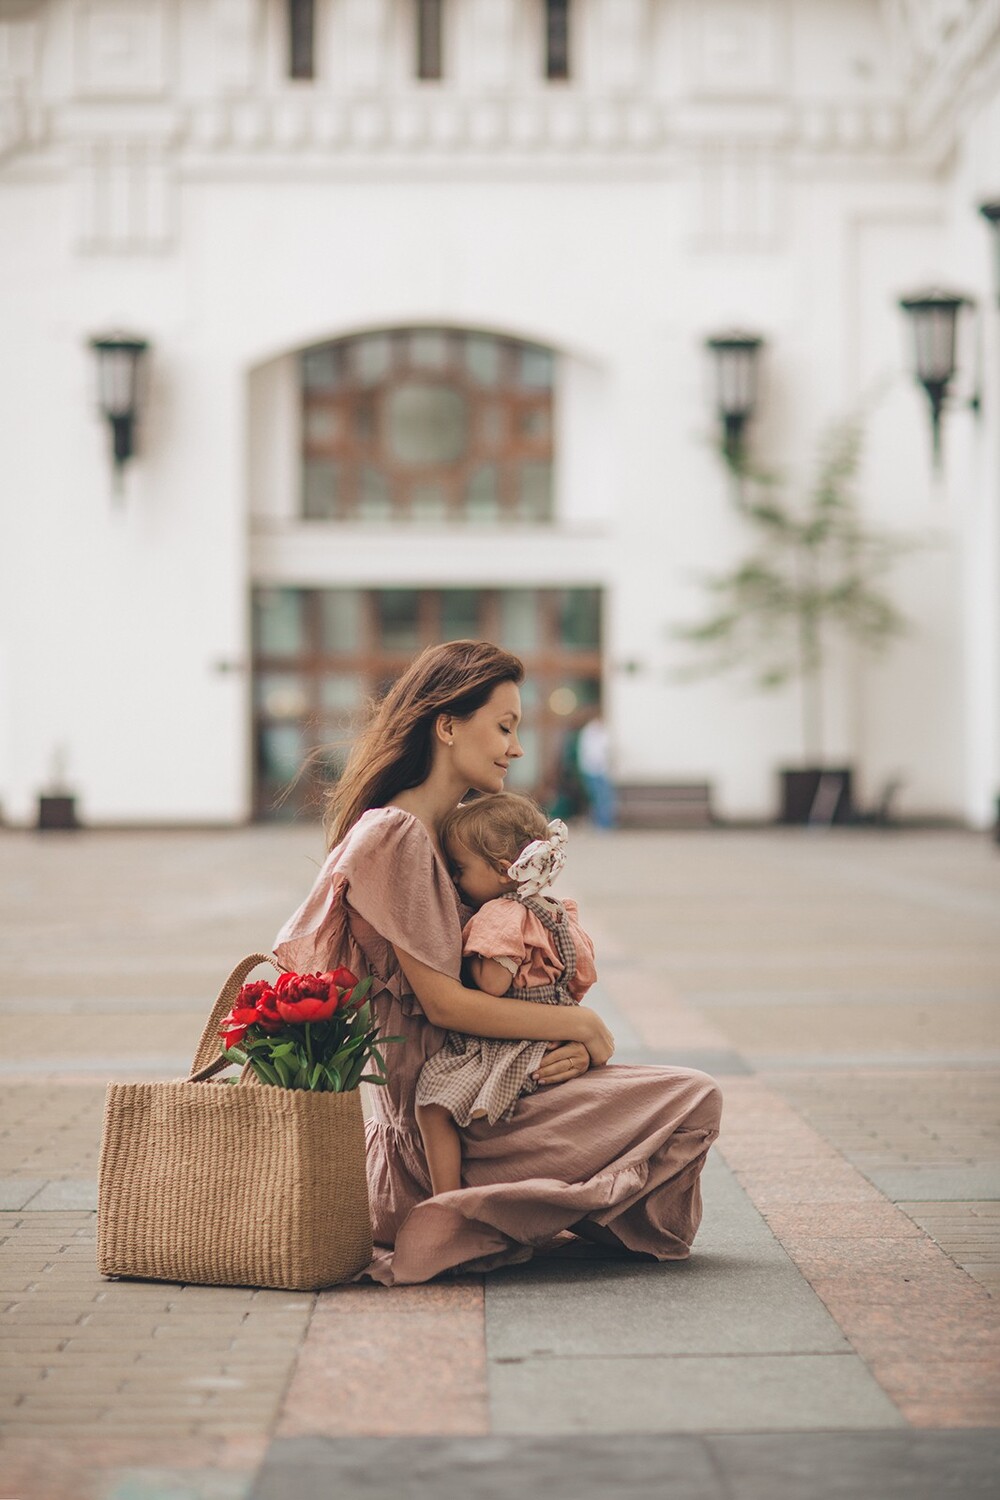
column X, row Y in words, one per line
column 386, row 870
column 586, row 971
column 496, row 931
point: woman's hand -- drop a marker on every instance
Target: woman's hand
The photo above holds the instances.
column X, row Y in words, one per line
column 562, row 1061
column 595, row 1036
column 566, row 1060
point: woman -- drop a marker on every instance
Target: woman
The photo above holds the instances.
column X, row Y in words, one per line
column 614, row 1154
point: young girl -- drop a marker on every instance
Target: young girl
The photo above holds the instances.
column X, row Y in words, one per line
column 521, row 943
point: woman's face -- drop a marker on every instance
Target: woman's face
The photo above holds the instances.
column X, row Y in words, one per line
column 483, row 745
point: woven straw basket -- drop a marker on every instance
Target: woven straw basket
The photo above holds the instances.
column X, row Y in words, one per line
column 232, row 1185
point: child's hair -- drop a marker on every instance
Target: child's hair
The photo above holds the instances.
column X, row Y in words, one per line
column 497, row 827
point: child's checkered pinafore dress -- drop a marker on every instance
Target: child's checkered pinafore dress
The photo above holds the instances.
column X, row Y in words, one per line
column 473, row 1076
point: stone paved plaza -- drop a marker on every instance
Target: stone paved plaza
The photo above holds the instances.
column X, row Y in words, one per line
column 836, row 1332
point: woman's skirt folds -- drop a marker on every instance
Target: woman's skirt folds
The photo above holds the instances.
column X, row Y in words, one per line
column 621, row 1148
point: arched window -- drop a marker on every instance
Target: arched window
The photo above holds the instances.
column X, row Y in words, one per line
column 427, row 426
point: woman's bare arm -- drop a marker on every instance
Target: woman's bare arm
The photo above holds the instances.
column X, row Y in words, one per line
column 448, row 1004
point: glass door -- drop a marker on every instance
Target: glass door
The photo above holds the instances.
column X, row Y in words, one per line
column 322, row 656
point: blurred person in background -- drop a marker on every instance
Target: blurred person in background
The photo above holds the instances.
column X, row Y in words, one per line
column 594, row 760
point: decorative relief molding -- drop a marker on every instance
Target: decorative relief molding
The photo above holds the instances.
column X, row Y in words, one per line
column 735, row 47
column 925, row 28
column 360, row 35
column 738, row 197
column 236, row 26
column 499, row 127
column 494, row 34
column 834, row 126
column 624, row 29
column 22, row 118
column 120, row 49
column 125, row 196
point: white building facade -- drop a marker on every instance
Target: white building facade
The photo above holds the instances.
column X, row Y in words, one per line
column 427, row 360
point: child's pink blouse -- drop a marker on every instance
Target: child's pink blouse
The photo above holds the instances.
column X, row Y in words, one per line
column 510, row 930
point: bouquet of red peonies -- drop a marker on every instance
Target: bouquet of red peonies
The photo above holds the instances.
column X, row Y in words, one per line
column 306, row 1031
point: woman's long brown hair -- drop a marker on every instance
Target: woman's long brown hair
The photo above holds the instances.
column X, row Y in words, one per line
column 394, row 752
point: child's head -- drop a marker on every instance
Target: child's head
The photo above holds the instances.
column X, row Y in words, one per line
column 483, row 837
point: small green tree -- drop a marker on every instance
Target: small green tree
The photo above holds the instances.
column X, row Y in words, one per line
column 814, row 573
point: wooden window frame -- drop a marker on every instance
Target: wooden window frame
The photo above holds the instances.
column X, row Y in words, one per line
column 301, row 17
column 548, row 664
column 358, row 442
column 558, row 39
column 429, row 40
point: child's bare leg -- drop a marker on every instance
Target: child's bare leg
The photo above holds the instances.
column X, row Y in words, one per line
column 442, row 1147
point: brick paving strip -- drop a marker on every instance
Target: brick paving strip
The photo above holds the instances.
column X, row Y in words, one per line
column 392, row 1362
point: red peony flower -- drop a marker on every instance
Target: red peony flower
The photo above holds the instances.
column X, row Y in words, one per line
column 268, row 1018
column 343, row 979
column 305, row 997
column 250, row 994
column 258, row 996
column 236, row 1025
column 309, row 1008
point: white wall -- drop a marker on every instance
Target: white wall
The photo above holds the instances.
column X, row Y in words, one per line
column 718, row 165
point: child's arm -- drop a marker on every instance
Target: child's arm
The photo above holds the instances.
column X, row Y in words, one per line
column 489, row 975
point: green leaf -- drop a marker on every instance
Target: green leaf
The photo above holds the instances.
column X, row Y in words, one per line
column 287, row 1070
column 265, row 1072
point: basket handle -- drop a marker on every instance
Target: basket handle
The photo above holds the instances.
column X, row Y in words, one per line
column 208, row 1060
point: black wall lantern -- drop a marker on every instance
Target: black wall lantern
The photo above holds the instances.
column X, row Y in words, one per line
column 934, row 316
column 736, row 358
column 119, row 388
column 991, row 213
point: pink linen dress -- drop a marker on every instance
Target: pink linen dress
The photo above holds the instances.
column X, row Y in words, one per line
column 622, row 1147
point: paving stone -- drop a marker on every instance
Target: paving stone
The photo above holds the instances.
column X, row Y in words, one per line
column 17, row 1192
column 860, row 1466
column 942, row 1184
column 777, row 1466
column 68, row 1193
column 174, row 1484
column 487, row 1468
column 696, row 1394
column 738, row 1294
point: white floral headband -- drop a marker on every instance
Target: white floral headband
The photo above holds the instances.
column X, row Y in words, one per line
column 540, row 862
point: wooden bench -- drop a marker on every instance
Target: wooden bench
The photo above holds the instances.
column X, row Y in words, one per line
column 678, row 804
